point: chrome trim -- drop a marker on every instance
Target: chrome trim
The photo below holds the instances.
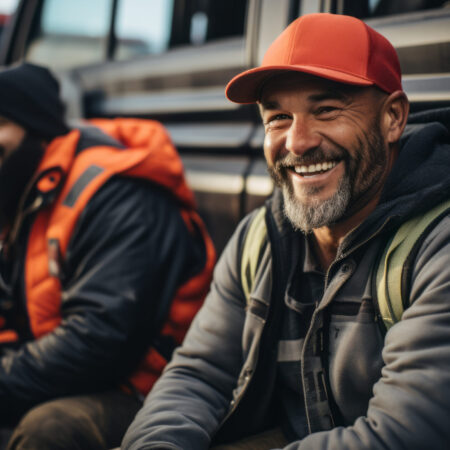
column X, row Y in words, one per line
column 174, row 101
column 215, row 182
column 259, row 185
column 421, row 88
column 185, row 60
column 210, row 135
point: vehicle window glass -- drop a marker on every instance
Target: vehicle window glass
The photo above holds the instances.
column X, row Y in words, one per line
column 70, row 33
column 366, row 9
column 74, row 33
column 224, row 18
column 142, row 27
column 153, row 26
column 7, row 9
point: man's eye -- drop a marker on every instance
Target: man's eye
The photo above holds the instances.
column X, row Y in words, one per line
column 326, row 110
column 276, row 117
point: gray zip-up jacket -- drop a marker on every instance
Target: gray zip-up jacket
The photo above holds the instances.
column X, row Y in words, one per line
column 362, row 388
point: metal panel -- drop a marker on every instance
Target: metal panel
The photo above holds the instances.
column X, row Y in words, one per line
column 182, row 81
column 310, row 6
column 258, row 185
column 211, row 135
column 175, row 67
column 432, row 88
column 274, row 18
column 257, row 140
column 218, row 185
column 422, row 41
column 252, row 32
column 173, row 101
column 413, row 29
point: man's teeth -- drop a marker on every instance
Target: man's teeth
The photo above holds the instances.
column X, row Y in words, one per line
column 312, row 168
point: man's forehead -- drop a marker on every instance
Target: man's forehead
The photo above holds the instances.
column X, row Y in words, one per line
column 294, row 82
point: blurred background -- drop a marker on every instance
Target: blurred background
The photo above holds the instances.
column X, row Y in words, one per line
column 170, row 60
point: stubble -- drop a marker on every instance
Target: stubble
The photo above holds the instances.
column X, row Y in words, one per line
column 362, row 171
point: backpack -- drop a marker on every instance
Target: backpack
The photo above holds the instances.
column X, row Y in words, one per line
column 391, row 274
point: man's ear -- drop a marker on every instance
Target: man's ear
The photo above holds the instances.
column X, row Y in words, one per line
column 396, row 109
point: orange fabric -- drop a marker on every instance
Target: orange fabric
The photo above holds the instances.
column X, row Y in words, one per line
column 43, row 292
column 50, row 181
column 7, row 336
column 149, row 155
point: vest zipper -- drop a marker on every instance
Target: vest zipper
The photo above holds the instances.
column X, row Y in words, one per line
column 18, row 220
column 37, row 203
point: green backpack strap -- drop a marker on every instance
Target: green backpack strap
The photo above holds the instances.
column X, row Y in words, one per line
column 389, row 271
column 253, row 244
column 393, row 262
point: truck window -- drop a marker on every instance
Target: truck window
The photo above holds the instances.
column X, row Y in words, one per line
column 142, row 27
column 7, row 9
column 366, row 9
column 70, row 33
column 73, row 33
column 153, row 26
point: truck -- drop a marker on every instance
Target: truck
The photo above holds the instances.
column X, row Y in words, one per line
column 169, row 60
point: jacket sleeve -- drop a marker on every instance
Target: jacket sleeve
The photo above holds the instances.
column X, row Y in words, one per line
column 129, row 252
column 410, row 407
column 188, row 403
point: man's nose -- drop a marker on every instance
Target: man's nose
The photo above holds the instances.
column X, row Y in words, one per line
column 302, row 136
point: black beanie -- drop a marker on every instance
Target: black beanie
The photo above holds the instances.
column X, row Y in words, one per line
column 29, row 96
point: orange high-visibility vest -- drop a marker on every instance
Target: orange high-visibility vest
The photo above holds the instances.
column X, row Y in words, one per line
column 149, row 155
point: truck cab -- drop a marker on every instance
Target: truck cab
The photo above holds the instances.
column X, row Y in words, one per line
column 169, row 60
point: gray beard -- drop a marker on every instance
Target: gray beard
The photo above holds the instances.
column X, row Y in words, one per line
column 307, row 217
column 328, row 212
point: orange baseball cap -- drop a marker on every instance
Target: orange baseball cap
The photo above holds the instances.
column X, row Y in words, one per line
column 337, row 47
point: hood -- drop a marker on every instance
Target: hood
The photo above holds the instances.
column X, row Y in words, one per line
column 421, row 172
column 163, row 163
column 420, row 177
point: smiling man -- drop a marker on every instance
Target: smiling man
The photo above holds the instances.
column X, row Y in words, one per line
column 293, row 347
column 324, row 147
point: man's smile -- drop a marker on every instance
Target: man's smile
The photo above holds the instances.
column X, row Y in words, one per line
column 308, row 170
column 315, row 183
column 327, row 171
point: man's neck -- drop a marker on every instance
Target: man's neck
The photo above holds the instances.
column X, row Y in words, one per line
column 329, row 238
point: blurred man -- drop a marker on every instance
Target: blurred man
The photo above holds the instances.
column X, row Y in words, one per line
column 305, row 360
column 104, row 262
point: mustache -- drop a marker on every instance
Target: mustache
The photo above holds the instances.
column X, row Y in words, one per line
column 312, row 156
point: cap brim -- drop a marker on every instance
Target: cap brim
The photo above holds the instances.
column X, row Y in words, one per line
column 246, row 87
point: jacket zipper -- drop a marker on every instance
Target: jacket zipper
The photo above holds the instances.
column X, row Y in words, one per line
column 325, row 377
column 376, row 233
